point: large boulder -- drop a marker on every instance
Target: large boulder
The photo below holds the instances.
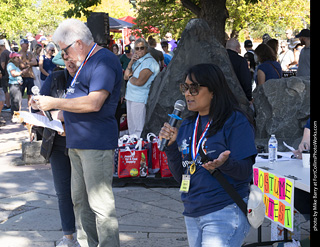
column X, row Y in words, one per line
column 282, row 108
column 197, row 45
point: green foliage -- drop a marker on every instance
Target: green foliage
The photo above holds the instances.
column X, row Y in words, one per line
column 17, row 17
column 267, row 16
column 165, row 15
column 80, row 8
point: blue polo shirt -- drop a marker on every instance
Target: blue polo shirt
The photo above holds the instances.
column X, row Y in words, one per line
column 95, row 130
column 140, row 93
column 206, row 195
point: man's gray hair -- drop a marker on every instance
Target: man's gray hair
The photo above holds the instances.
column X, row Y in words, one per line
column 71, row 30
column 141, row 40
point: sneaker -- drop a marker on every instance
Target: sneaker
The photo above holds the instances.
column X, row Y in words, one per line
column 66, row 242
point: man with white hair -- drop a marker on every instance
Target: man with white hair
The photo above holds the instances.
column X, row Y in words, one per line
column 91, row 131
column 240, row 66
column 172, row 43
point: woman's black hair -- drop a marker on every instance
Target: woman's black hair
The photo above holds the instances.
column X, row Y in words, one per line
column 223, row 103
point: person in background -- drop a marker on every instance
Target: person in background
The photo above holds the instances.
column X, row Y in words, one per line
column 289, row 35
column 56, row 85
column 249, row 55
column 240, row 66
column 166, row 53
column 126, row 57
column 91, row 131
column 265, row 38
column 274, row 44
column 27, row 62
column 15, row 83
column 32, row 42
column 219, row 135
column 268, row 68
column 140, row 73
column 45, row 62
column 36, row 70
column 296, row 47
column 115, row 50
column 304, row 59
column 4, row 59
column 286, row 57
column 172, row 43
column 157, row 55
column 132, row 40
column 2, row 98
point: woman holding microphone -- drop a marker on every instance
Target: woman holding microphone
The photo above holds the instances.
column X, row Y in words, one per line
column 218, row 136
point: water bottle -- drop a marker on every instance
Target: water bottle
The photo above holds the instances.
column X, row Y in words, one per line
column 273, row 149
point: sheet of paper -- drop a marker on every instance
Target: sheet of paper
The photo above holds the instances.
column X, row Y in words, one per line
column 263, row 157
column 290, row 148
column 42, row 121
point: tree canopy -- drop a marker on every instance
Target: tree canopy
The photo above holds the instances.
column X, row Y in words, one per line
column 17, row 17
column 256, row 17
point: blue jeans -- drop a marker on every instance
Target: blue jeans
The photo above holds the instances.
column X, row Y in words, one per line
column 227, row 227
column 61, row 171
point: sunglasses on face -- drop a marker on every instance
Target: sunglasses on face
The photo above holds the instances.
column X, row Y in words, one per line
column 64, row 52
column 193, row 88
column 141, row 48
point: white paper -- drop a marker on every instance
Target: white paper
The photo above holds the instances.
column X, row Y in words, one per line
column 290, row 148
column 42, row 121
column 285, row 157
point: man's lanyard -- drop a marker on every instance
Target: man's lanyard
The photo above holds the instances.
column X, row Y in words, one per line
column 194, row 146
column 81, row 66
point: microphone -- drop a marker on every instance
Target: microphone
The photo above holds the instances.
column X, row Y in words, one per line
column 174, row 117
column 35, row 90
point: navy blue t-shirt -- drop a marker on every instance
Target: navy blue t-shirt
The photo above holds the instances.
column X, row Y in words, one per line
column 206, row 194
column 95, row 130
column 271, row 69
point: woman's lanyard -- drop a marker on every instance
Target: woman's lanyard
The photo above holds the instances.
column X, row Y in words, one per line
column 194, row 146
column 81, row 66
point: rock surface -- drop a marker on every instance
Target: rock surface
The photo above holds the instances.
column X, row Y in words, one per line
column 282, row 108
column 197, row 45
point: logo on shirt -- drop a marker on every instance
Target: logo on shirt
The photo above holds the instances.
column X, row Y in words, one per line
column 205, row 148
column 70, row 90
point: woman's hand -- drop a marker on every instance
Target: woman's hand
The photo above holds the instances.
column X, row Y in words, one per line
column 135, row 57
column 211, row 165
column 169, row 133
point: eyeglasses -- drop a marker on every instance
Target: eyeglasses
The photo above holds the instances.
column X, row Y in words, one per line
column 193, row 88
column 141, row 48
column 64, row 52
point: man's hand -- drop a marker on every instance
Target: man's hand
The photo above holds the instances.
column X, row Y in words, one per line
column 44, row 103
column 211, row 165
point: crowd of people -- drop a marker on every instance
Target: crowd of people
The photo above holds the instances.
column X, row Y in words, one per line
column 267, row 61
column 86, row 95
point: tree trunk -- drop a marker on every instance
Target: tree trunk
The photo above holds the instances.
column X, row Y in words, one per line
column 214, row 12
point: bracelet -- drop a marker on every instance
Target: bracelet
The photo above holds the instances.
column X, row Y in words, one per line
column 129, row 68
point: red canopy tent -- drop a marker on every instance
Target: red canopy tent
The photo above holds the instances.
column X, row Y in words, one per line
column 129, row 19
column 127, row 32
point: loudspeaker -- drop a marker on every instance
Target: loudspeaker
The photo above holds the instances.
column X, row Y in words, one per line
column 98, row 23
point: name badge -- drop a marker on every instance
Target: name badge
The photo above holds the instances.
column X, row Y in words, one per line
column 185, row 184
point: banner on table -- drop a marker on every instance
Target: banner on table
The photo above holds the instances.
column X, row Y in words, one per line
column 278, row 196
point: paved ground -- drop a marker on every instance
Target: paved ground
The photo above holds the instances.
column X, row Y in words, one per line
column 29, row 217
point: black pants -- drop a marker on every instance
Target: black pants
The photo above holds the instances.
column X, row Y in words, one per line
column 15, row 97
